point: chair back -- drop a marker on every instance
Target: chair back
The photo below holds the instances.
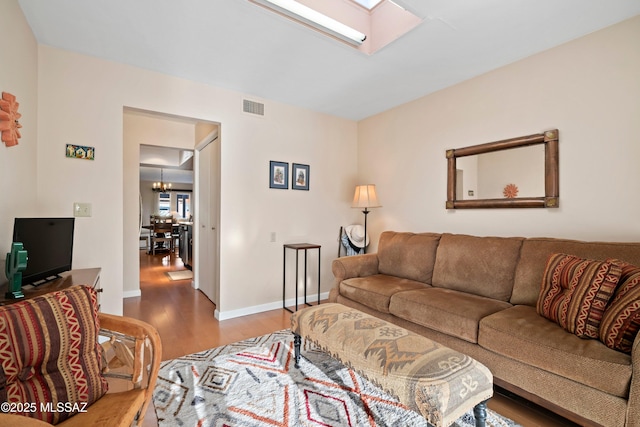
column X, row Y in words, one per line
column 162, row 224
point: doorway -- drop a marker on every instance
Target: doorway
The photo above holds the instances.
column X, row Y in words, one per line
column 166, row 194
column 142, row 130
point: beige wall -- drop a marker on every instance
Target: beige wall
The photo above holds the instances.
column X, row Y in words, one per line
column 18, row 164
column 81, row 100
column 588, row 88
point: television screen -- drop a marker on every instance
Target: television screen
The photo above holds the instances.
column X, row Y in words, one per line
column 49, row 246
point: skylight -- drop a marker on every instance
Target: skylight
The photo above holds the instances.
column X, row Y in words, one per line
column 367, row 28
column 369, row 4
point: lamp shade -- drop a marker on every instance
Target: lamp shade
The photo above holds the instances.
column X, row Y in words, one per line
column 365, row 197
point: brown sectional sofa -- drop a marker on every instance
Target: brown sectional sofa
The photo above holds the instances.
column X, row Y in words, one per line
column 478, row 295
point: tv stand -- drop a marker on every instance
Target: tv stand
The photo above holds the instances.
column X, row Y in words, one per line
column 44, row 281
column 82, row 276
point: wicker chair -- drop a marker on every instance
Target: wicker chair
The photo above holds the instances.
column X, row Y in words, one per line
column 131, row 352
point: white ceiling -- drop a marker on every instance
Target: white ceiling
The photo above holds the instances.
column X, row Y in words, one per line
column 238, row 45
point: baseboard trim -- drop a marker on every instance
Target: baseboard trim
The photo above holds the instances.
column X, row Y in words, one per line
column 231, row 314
column 131, row 294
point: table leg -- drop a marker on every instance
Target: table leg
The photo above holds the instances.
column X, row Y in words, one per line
column 284, row 279
column 305, row 278
column 296, row 282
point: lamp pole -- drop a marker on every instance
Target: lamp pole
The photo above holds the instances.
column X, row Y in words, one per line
column 365, row 212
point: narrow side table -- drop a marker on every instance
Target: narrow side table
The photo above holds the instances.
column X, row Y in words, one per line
column 298, row 247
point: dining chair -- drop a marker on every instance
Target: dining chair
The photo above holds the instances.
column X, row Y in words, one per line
column 162, row 233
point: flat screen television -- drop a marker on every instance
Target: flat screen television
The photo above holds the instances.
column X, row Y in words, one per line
column 49, row 246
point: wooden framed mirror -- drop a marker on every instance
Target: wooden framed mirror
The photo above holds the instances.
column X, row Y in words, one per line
column 474, row 179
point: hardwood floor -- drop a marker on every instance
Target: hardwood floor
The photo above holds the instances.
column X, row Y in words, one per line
column 184, row 318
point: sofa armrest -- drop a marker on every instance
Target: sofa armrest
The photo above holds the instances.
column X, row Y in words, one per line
column 354, row 266
column 633, row 405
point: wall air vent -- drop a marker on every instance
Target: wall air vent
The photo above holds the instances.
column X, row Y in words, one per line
column 252, row 107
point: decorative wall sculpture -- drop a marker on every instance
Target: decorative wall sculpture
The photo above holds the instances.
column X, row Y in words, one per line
column 9, row 116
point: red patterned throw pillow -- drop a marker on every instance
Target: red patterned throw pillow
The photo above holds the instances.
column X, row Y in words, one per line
column 575, row 292
column 621, row 319
column 50, row 358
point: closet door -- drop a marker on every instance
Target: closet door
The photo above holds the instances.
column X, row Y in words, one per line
column 206, row 263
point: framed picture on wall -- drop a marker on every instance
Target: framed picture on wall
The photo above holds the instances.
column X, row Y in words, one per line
column 80, row 152
column 278, row 175
column 300, row 177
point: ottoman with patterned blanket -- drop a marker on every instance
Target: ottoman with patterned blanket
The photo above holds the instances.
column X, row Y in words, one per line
column 437, row 382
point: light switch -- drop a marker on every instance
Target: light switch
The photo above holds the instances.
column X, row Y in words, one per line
column 81, row 209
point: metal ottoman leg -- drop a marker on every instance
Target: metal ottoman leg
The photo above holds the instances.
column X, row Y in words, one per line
column 480, row 413
column 297, row 340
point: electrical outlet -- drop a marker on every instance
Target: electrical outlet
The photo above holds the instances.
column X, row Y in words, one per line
column 81, row 209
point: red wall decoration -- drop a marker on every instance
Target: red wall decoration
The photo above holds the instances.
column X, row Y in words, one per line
column 510, row 191
column 9, row 116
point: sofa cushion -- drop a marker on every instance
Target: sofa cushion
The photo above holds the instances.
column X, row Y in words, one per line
column 482, row 266
column 407, row 255
column 575, row 292
column 621, row 319
column 445, row 310
column 536, row 251
column 521, row 334
column 50, row 352
column 376, row 291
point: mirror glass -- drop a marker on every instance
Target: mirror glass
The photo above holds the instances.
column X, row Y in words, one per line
column 519, row 172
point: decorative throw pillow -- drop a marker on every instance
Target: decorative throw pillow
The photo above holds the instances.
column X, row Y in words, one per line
column 621, row 319
column 575, row 292
column 51, row 358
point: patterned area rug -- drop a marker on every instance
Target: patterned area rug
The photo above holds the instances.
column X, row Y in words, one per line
column 254, row 383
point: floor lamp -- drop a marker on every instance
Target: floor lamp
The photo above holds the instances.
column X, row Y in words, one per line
column 365, row 197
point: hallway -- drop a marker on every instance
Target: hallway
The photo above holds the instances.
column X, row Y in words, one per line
column 184, row 317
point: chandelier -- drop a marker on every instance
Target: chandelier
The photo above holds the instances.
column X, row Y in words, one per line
column 161, row 187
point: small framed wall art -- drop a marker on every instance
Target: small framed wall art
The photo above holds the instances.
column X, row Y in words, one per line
column 80, row 152
column 278, row 175
column 300, row 177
